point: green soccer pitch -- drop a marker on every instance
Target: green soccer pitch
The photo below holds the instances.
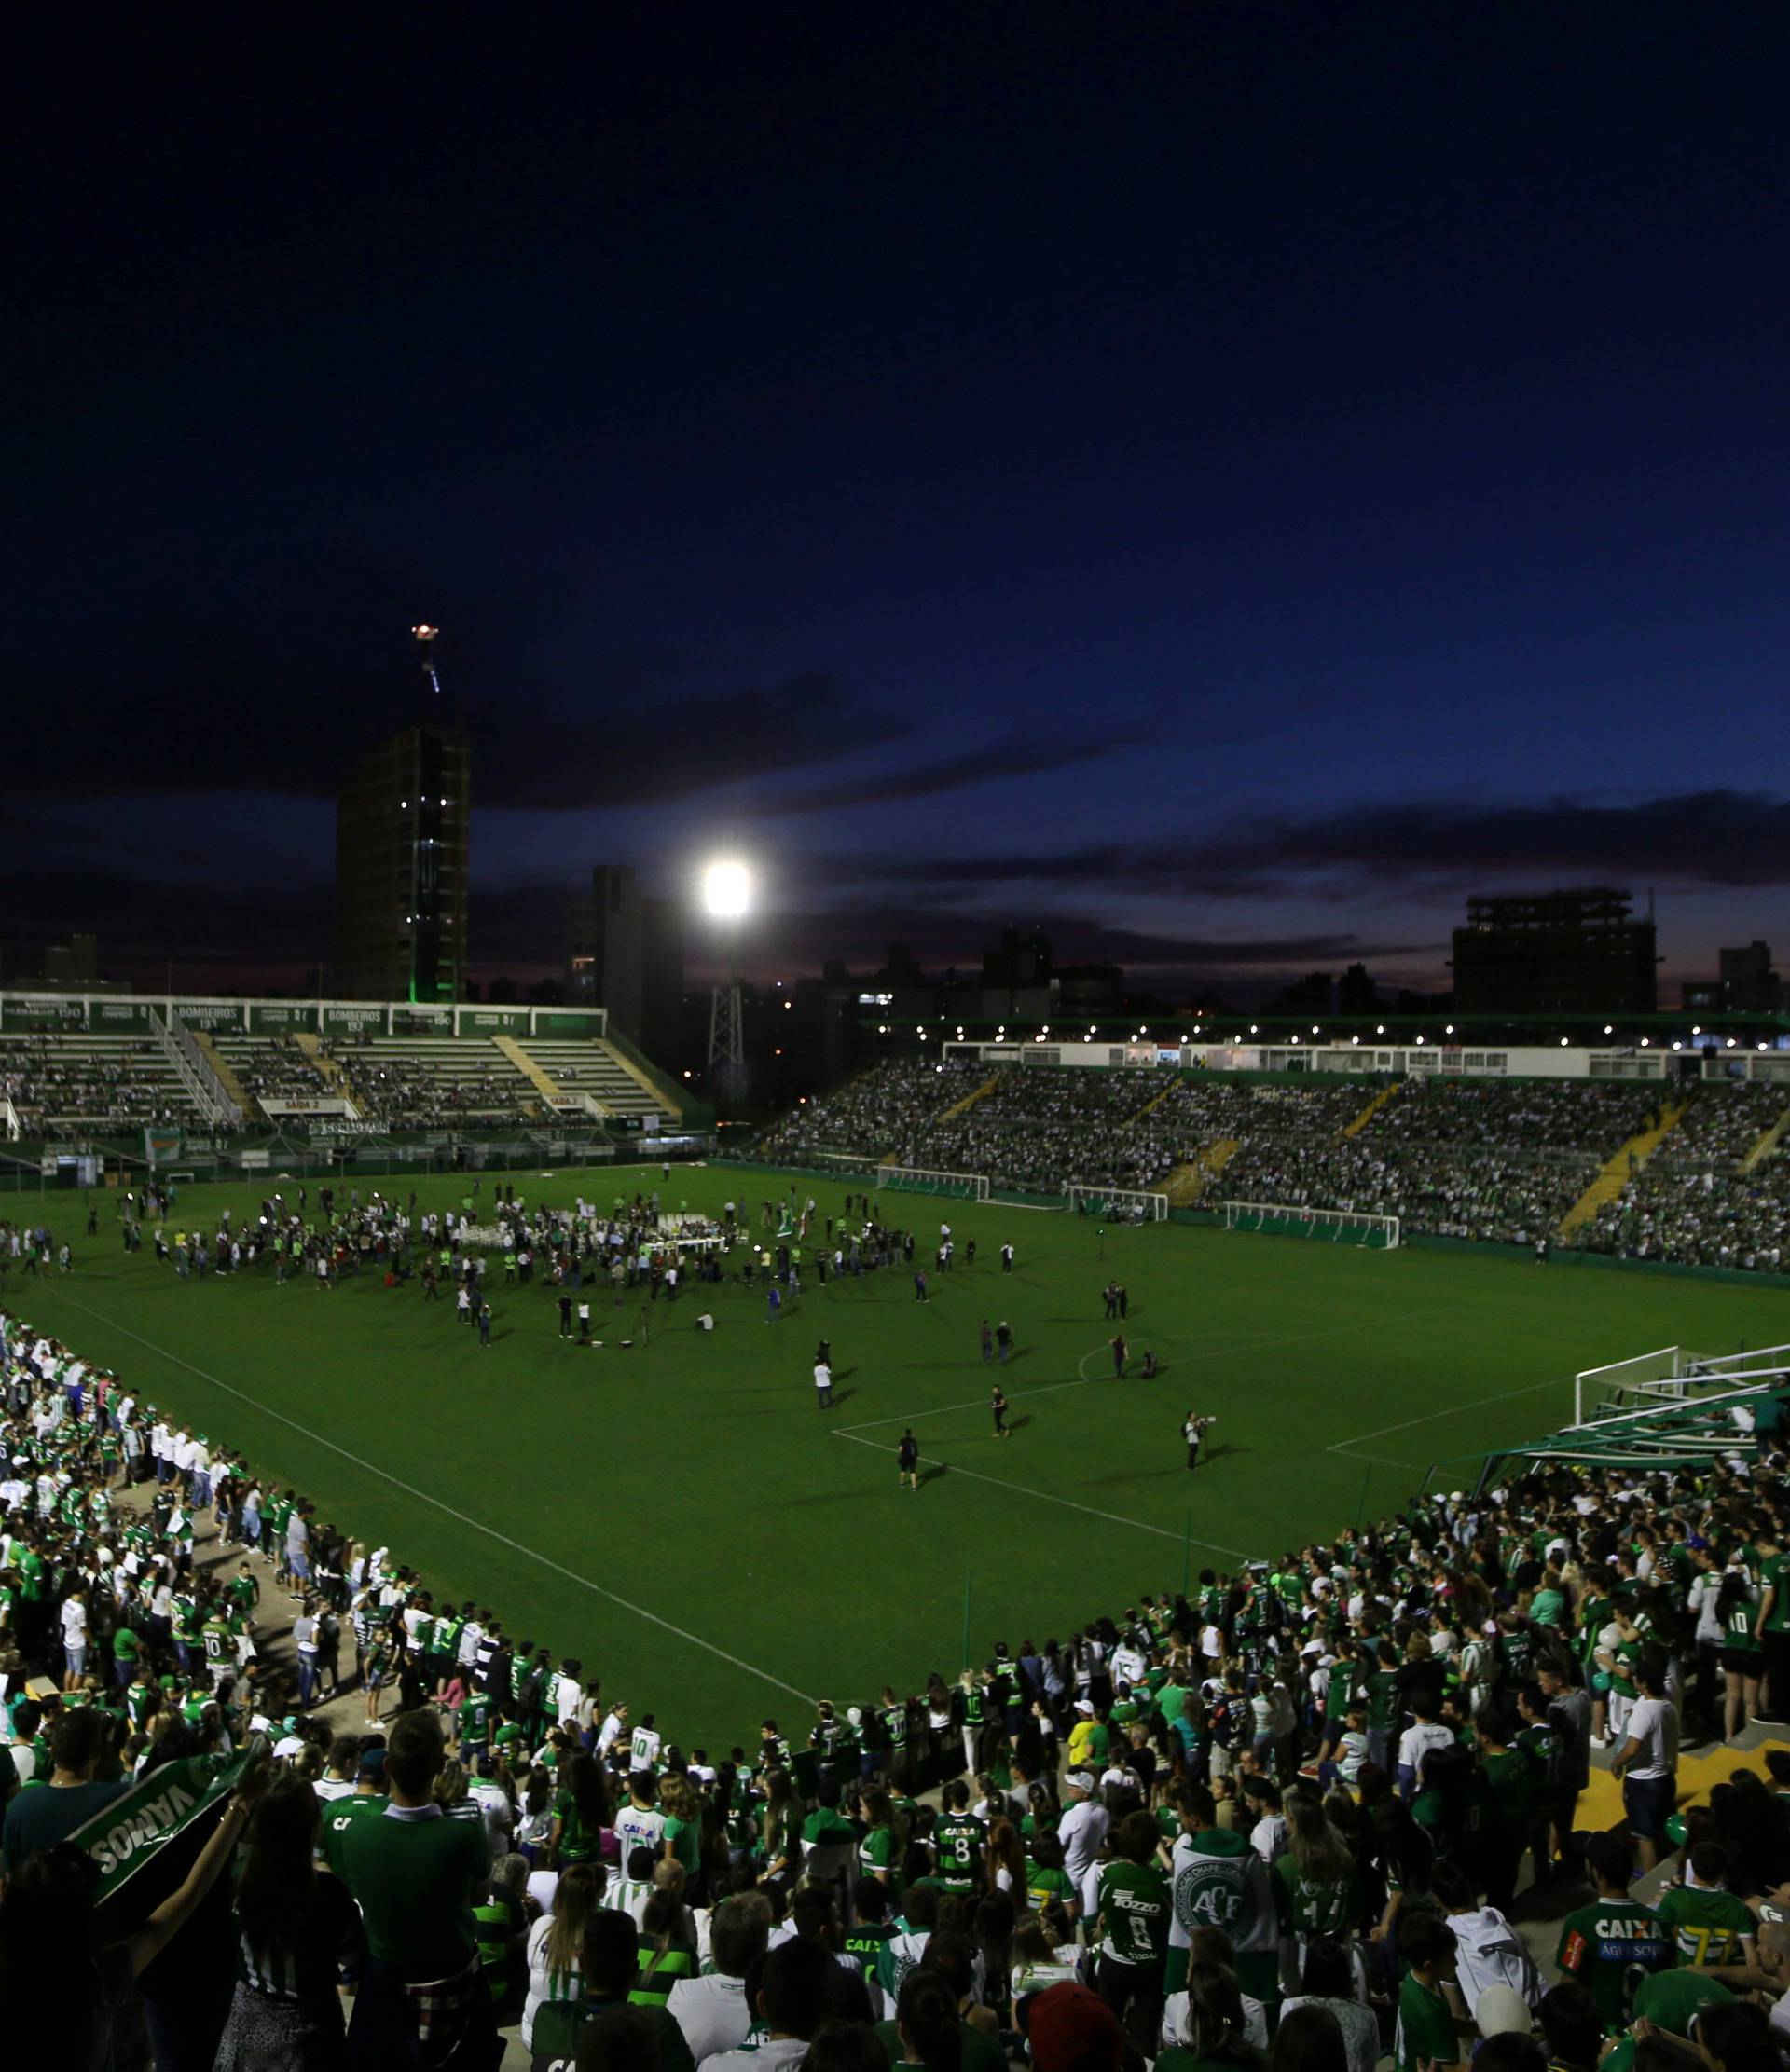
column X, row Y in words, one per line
column 682, row 1518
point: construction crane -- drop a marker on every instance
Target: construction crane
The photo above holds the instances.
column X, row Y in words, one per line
column 425, row 639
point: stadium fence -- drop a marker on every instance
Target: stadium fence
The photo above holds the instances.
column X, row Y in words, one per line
column 919, row 1179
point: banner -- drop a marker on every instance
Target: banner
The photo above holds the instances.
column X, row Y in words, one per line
column 113, row 1016
column 211, row 1015
column 138, row 1825
column 275, row 1017
column 51, row 1014
column 307, row 1105
column 344, row 1020
column 162, row 1146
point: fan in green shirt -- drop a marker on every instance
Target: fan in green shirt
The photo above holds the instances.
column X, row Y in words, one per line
column 1426, row 2037
column 414, row 1872
column 957, row 1841
column 1607, row 1944
column 1134, row 1904
column 1708, row 1924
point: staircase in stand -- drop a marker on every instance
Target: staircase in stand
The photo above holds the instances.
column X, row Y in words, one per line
column 1373, row 1107
column 327, row 1066
column 1185, row 1184
column 969, row 1100
column 225, row 1070
column 1767, row 1143
column 1615, row 1173
column 536, row 1075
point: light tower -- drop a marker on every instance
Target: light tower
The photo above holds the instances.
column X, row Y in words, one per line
column 425, row 638
column 726, row 894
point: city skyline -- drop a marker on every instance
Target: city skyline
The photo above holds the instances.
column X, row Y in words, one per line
column 1219, row 490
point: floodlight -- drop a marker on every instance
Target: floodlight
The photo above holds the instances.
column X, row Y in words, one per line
column 726, row 889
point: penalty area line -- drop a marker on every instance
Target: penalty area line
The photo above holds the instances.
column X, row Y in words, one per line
column 1043, row 1496
column 477, row 1525
column 1449, row 1410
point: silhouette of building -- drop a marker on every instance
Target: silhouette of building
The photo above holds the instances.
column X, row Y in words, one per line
column 403, row 821
column 1568, row 953
column 624, row 953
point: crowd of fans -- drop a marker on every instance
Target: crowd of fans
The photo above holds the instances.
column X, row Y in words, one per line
column 53, row 1083
column 1498, row 1161
column 1296, row 1803
column 417, row 1089
column 1691, row 1202
column 276, row 1068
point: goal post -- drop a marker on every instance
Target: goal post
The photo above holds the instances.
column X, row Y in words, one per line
column 919, row 1179
column 1132, row 1204
column 1669, row 1373
column 1370, row 1233
column 1625, row 1384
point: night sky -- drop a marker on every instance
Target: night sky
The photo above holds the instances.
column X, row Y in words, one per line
column 1216, row 483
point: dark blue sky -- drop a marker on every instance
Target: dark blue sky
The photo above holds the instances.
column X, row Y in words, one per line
column 1217, row 482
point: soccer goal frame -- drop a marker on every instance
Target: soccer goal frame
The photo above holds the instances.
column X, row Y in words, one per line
column 1144, row 1205
column 1668, row 1375
column 920, row 1180
column 1370, row 1233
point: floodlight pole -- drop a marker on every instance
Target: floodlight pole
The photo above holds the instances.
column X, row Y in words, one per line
column 726, row 1025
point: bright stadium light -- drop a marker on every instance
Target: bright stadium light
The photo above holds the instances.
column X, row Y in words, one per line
column 726, row 889
column 726, row 894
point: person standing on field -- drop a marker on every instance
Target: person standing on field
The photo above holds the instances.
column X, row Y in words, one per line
column 1193, row 1431
column 822, row 1385
column 907, row 1460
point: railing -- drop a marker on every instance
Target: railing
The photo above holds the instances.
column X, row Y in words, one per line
column 194, row 1070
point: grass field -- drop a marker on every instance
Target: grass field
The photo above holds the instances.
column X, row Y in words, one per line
column 683, row 1518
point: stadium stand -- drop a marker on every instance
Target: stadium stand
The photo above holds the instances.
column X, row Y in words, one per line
column 85, row 1082
column 1697, row 1200
column 1494, row 1162
column 1372, row 1738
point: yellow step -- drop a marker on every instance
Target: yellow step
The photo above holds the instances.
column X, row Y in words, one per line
column 221, row 1065
column 1767, row 1142
column 1185, row 1184
column 1373, row 1107
column 327, row 1066
column 1613, row 1175
column 536, row 1075
column 1156, row 1099
column 969, row 1100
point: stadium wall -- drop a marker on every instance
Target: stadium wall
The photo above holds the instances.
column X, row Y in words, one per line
column 1300, row 1061
column 25, row 1014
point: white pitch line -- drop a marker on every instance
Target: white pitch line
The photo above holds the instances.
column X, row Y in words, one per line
column 1453, row 1409
column 477, row 1525
column 1044, row 1496
column 1086, row 1381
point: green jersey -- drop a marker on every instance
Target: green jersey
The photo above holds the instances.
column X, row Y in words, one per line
column 1134, row 1916
column 1315, row 1906
column 1425, row 2033
column 416, row 1881
column 1708, row 1926
column 876, row 1852
column 1606, row 1946
column 957, row 1840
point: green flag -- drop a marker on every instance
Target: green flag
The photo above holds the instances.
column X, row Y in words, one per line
column 138, row 1825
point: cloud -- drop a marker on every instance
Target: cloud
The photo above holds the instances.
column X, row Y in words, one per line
column 1717, row 839
column 1017, row 755
column 230, row 714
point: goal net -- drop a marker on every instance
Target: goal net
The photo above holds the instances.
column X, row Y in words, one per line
column 827, row 1160
column 1373, row 1233
column 1120, row 1204
column 919, row 1179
